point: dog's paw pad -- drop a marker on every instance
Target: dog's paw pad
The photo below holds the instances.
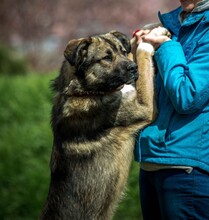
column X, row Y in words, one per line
column 146, row 47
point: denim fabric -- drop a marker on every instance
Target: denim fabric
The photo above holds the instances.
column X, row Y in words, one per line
column 174, row 194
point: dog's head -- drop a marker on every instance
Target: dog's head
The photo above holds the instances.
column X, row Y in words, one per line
column 96, row 65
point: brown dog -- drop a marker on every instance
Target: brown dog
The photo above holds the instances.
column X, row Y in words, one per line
column 98, row 109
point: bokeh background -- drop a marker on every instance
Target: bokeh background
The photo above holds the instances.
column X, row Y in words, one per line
column 33, row 35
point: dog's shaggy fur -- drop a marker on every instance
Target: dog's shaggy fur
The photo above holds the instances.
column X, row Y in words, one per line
column 99, row 106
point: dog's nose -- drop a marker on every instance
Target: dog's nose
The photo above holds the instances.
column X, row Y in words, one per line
column 132, row 67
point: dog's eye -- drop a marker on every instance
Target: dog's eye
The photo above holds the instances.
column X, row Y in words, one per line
column 108, row 57
column 123, row 51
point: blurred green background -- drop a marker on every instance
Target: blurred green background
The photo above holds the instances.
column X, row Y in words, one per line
column 33, row 36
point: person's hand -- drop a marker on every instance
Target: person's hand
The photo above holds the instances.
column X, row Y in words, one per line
column 139, row 34
column 155, row 37
column 135, row 41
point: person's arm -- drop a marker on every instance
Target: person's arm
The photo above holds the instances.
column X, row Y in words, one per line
column 186, row 82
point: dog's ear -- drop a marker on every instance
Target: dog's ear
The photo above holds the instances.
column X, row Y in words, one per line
column 123, row 39
column 77, row 50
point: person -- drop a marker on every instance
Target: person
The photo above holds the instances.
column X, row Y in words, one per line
column 174, row 150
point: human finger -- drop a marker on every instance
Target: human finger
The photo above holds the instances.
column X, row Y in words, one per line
column 155, row 41
column 141, row 33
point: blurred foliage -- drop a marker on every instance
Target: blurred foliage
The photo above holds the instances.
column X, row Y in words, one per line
column 25, row 142
column 10, row 63
column 25, row 148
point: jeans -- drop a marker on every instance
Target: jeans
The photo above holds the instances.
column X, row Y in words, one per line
column 174, row 194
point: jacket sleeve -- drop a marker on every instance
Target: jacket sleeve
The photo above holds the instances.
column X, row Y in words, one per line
column 186, row 81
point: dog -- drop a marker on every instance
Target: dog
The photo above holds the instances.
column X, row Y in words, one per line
column 100, row 104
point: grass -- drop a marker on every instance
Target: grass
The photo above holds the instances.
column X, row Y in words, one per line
column 25, row 147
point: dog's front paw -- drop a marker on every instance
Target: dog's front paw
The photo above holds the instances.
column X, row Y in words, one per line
column 145, row 47
column 160, row 31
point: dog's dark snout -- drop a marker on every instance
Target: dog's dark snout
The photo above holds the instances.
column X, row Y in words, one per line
column 132, row 67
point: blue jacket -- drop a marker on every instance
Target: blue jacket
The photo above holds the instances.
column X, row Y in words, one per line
column 180, row 135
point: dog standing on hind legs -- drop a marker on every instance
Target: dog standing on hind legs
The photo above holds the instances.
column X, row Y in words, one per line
column 99, row 107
